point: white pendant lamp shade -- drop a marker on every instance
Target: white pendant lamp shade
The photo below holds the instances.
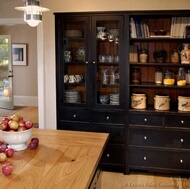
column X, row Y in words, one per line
column 32, row 12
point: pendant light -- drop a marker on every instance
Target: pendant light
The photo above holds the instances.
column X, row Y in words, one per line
column 32, row 12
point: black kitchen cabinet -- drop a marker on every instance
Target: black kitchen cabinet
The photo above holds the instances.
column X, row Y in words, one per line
column 98, row 71
column 91, row 79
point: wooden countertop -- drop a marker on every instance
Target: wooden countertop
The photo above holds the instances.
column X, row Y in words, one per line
column 63, row 160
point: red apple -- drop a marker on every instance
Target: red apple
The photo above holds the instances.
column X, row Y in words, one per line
column 9, row 152
column 21, row 128
column 3, row 125
column 35, row 140
column 3, row 147
column 3, row 157
column 29, row 124
column 6, row 119
column 13, row 124
column 32, row 145
column 21, row 123
column 7, row 169
column 21, row 118
column 15, row 117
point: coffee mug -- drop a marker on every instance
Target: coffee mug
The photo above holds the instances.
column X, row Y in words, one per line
column 72, row 79
column 66, row 78
column 78, row 78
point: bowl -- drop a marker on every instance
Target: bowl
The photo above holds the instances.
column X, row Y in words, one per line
column 18, row 139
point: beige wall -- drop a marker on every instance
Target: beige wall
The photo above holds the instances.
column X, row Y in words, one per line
column 46, row 39
column 25, row 77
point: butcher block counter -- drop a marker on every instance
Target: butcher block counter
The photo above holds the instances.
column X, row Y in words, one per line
column 63, row 160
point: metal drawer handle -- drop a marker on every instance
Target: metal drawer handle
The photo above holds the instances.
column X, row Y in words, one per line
column 108, row 155
column 182, row 140
column 94, row 62
column 182, row 122
column 145, row 120
column 74, row 115
column 145, row 137
column 107, row 117
column 181, row 161
column 145, row 158
column 86, row 62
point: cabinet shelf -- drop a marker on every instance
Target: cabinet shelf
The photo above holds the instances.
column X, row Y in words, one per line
column 167, row 39
column 154, row 85
column 158, row 64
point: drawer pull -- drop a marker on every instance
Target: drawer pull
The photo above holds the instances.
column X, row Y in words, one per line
column 74, row 115
column 145, row 137
column 86, row 62
column 94, row 62
column 182, row 122
column 181, row 161
column 182, row 140
column 144, row 158
column 145, row 120
column 107, row 117
column 108, row 155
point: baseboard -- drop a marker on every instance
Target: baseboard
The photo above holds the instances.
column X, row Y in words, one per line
column 25, row 100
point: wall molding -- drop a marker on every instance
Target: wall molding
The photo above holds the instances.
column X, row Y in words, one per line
column 25, row 100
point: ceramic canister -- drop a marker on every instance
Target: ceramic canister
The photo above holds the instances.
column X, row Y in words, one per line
column 138, row 101
column 161, row 102
column 183, row 103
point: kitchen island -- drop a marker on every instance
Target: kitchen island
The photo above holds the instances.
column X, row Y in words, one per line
column 63, row 160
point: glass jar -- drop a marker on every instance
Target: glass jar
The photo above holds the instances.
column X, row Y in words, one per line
column 187, row 77
column 136, row 76
column 158, row 75
column 181, row 81
column 169, row 77
column 143, row 55
column 174, row 56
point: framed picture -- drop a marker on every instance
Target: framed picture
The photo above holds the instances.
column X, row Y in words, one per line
column 19, row 54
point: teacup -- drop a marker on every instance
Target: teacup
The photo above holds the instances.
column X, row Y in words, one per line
column 78, row 78
column 66, row 78
column 72, row 79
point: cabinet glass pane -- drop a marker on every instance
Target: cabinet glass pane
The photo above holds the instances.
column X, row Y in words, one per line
column 108, row 70
column 74, row 57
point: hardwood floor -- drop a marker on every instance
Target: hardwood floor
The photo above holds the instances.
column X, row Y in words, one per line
column 111, row 180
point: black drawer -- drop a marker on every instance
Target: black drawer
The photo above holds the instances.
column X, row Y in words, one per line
column 75, row 115
column 145, row 119
column 150, row 159
column 113, row 155
column 75, row 126
column 177, row 121
column 117, row 134
column 108, row 117
column 159, row 138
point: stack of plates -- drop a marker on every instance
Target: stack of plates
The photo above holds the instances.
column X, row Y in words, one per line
column 73, row 33
column 72, row 96
column 114, row 98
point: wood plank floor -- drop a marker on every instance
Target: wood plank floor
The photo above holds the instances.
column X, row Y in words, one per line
column 111, row 180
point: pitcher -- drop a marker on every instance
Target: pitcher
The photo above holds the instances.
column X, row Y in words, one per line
column 185, row 53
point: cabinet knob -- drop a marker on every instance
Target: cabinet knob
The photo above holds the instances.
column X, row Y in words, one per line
column 144, row 158
column 182, row 140
column 86, row 62
column 182, row 122
column 181, row 161
column 108, row 155
column 145, row 137
column 74, row 115
column 145, row 120
column 94, row 62
column 107, row 117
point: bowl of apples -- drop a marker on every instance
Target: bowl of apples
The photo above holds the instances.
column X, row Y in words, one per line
column 16, row 132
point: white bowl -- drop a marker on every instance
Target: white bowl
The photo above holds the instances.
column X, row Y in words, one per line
column 18, row 139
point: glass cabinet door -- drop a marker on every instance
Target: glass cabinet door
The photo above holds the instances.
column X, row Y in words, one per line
column 108, row 65
column 75, row 61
